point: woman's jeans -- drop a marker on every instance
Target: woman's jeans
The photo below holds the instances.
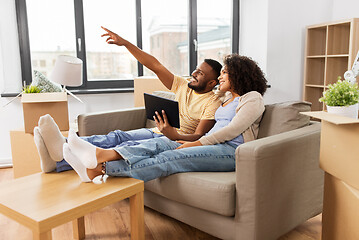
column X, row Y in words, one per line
column 157, row 158
column 113, row 139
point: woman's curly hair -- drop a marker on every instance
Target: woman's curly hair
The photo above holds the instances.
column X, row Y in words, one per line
column 244, row 74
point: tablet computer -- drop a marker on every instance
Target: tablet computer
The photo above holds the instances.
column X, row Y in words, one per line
column 155, row 103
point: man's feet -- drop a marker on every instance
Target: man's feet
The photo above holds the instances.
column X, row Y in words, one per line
column 52, row 137
column 47, row 163
column 83, row 150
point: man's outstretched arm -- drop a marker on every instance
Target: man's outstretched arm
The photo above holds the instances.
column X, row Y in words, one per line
column 146, row 59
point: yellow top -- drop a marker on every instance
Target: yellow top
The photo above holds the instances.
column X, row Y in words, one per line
column 193, row 107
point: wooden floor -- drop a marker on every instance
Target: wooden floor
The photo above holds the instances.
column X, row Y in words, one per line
column 113, row 223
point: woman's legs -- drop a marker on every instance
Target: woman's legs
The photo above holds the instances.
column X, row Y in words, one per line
column 85, row 158
column 75, row 163
column 87, row 175
column 156, row 158
column 89, row 154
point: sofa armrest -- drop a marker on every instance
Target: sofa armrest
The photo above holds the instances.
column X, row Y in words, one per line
column 104, row 122
column 279, row 183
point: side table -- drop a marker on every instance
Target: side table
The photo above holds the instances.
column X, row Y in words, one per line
column 43, row 201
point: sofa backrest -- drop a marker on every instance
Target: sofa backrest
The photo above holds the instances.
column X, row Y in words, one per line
column 283, row 117
column 277, row 118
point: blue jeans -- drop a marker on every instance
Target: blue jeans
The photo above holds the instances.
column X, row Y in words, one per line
column 157, row 158
column 113, row 139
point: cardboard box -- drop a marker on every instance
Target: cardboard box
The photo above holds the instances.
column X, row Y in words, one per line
column 25, row 157
column 146, row 85
column 340, row 210
column 339, row 158
column 36, row 105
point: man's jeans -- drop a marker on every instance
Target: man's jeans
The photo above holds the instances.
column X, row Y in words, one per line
column 113, row 139
column 157, row 158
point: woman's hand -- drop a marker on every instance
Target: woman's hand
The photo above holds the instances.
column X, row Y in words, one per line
column 189, row 144
column 164, row 126
column 113, row 38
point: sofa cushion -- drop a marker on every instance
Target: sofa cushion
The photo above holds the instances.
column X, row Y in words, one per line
column 211, row 191
column 283, row 117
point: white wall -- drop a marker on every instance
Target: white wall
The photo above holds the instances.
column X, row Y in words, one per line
column 286, row 41
column 253, row 30
column 345, row 9
column 273, row 33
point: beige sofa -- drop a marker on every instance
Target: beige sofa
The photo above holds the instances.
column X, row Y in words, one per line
column 277, row 184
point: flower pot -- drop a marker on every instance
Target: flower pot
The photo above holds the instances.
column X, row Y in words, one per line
column 346, row 111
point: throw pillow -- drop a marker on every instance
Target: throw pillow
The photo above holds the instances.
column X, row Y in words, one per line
column 283, row 117
column 44, row 83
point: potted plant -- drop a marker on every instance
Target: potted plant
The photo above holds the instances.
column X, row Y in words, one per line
column 31, row 89
column 342, row 98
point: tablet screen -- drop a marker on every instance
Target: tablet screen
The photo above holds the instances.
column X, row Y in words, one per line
column 154, row 103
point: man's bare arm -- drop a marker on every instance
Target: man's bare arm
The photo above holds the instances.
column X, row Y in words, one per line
column 164, row 127
column 146, row 59
column 203, row 127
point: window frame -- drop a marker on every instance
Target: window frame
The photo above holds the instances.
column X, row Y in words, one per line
column 118, row 85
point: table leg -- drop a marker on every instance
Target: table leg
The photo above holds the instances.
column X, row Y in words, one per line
column 42, row 236
column 78, row 228
column 137, row 218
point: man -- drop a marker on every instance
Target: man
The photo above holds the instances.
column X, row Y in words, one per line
column 196, row 94
column 197, row 105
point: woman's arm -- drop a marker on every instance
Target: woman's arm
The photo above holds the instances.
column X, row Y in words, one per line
column 250, row 109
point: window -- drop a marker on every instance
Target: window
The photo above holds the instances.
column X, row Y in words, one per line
column 214, row 29
column 166, row 29
column 49, row 34
column 109, row 62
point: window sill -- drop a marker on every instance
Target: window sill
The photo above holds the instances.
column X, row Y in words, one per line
column 87, row 91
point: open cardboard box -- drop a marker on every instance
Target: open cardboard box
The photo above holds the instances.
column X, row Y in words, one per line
column 339, row 158
column 36, row 105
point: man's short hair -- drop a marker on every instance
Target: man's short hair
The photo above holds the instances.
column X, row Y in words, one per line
column 216, row 66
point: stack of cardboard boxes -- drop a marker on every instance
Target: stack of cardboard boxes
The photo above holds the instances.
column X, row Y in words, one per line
column 339, row 158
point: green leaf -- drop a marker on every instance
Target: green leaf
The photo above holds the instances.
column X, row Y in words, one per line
column 341, row 93
column 31, row 89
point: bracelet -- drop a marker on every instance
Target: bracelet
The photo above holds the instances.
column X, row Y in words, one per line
column 103, row 170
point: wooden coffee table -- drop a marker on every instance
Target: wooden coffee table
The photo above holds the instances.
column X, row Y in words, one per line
column 44, row 201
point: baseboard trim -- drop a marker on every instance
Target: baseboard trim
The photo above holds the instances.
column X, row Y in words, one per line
column 5, row 163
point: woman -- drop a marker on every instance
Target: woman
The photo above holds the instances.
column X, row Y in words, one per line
column 237, row 121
